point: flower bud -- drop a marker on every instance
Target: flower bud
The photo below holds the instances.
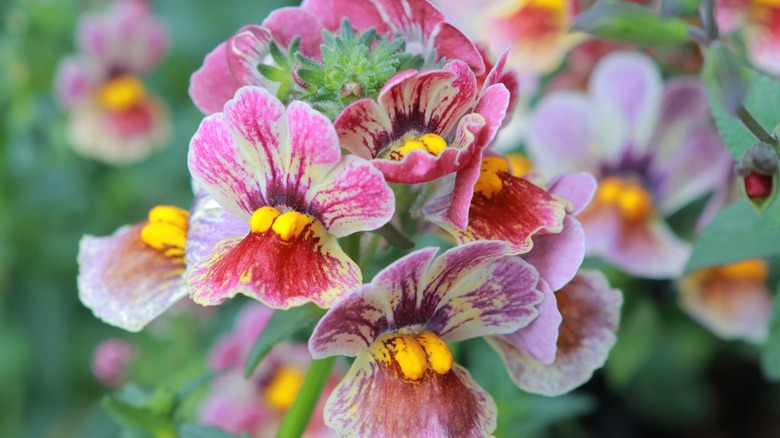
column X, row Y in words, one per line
column 760, row 158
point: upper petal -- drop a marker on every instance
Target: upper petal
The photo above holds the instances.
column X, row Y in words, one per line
column 213, row 84
column 557, row 257
column 244, row 51
column 577, row 188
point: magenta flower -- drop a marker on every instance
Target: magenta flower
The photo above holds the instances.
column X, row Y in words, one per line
column 759, row 23
column 110, row 361
column 258, row 404
column 424, row 125
column 403, row 381
column 281, row 170
column 112, row 116
column 653, row 149
column 131, row 277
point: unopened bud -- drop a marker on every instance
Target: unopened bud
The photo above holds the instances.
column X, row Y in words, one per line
column 760, row 158
column 351, row 89
column 297, row 78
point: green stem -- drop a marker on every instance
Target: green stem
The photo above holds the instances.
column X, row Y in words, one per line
column 368, row 254
column 755, row 128
column 297, row 418
column 710, row 25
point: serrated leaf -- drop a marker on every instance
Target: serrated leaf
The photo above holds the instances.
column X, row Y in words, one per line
column 770, row 356
column 736, row 233
column 282, row 325
column 191, row 430
column 278, row 56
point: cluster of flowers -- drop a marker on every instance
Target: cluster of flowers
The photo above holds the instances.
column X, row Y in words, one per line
column 336, row 118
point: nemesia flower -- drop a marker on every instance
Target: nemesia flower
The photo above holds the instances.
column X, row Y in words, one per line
column 403, row 381
column 131, row 277
column 572, row 337
column 281, row 170
column 732, row 301
column 759, row 22
column 258, row 404
column 537, row 31
column 110, row 361
column 234, row 63
column 113, row 117
column 424, row 125
column 653, row 148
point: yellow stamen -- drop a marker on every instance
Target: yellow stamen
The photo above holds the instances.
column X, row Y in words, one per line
column 439, row 355
column 166, row 230
column 283, row 388
column 520, row 164
column 751, row 269
column 121, row 93
column 291, row 224
column 413, row 355
column 431, row 143
column 631, row 199
column 490, row 182
column 263, row 218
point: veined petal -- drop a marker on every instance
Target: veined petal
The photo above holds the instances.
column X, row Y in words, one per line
column 373, row 400
column 591, row 312
column 280, row 274
column 451, row 43
column 390, row 300
column 244, row 51
column 125, row 282
column 208, row 224
column 557, row 257
column 361, row 14
column 313, row 146
column 352, row 197
column 539, row 338
column 364, row 128
column 213, row 84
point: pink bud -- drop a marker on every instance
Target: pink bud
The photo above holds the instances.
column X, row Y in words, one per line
column 110, row 361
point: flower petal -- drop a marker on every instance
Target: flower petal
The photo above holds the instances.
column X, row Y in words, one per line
column 244, row 51
column 557, row 257
column 373, row 400
column 280, row 274
column 125, row 282
column 539, row 338
column 213, row 84
column 364, row 128
column 591, row 312
column 361, row 14
column 577, row 188
column 75, row 79
column 290, row 22
column 209, row 223
column 353, row 197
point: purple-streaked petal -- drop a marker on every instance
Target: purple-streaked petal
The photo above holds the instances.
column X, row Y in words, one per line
column 353, row 324
column 208, row 224
column 540, row 338
column 451, row 43
column 492, row 105
column 629, row 87
column 591, row 313
column 125, row 282
column 311, row 267
column 313, row 146
column 689, row 158
column 244, row 51
column 364, row 128
column 352, row 197
column 646, row 249
column 557, row 257
column 374, row 400
column 577, row 188
column 213, row 84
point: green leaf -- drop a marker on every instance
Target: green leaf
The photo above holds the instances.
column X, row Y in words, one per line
column 135, row 416
column 630, row 23
column 770, row 356
column 639, row 333
column 736, row 233
column 282, row 325
column 763, row 102
column 725, row 77
column 191, row 430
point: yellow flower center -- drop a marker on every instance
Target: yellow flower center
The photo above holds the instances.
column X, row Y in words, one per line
column 280, row 393
column 121, row 93
column 631, row 199
column 413, row 354
column 166, row 230
column 751, row 269
column 489, row 182
column 286, row 225
column 520, row 164
column 431, row 143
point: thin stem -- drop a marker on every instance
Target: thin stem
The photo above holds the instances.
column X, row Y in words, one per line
column 297, row 418
column 755, row 128
column 709, row 20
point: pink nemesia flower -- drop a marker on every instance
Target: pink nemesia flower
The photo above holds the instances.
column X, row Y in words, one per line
column 281, row 170
column 112, row 116
column 759, row 22
column 233, row 63
column 404, row 381
column 258, row 404
column 653, row 148
column 110, row 361
column 131, row 277
column 732, row 301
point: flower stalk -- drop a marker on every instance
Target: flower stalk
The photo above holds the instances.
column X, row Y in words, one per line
column 297, row 418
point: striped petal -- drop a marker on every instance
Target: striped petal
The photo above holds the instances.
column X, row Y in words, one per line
column 373, row 400
column 244, row 51
column 591, row 311
column 125, row 282
column 557, row 257
column 539, row 339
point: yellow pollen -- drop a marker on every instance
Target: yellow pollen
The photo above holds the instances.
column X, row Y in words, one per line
column 413, row 355
column 166, row 230
column 431, row 143
column 291, row 224
column 263, row 218
column 490, row 182
column 439, row 356
column 121, row 93
column 751, row 269
column 520, row 164
column 283, row 388
column 631, row 199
